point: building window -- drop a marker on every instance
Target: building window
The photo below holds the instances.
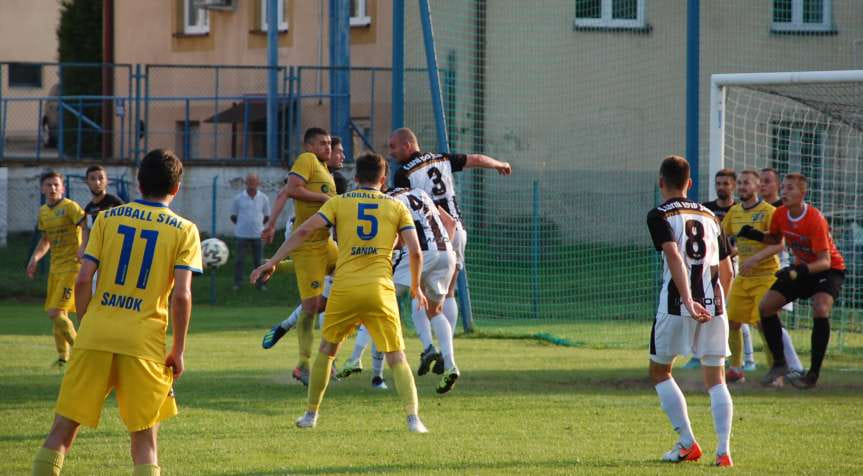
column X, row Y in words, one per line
column 359, row 13
column 802, row 15
column 196, row 20
column 25, row 75
column 283, row 20
column 799, row 147
column 610, row 14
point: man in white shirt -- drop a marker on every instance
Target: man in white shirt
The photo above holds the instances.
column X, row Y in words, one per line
column 250, row 211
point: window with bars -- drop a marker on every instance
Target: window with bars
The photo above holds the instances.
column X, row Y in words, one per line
column 282, row 16
column 196, row 20
column 802, row 16
column 610, row 13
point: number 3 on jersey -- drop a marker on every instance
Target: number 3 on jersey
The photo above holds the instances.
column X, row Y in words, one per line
column 371, row 220
column 438, row 186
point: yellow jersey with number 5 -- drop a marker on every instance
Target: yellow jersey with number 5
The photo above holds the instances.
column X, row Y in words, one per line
column 137, row 247
column 367, row 223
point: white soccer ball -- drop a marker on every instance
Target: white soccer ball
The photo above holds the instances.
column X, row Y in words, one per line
column 214, row 252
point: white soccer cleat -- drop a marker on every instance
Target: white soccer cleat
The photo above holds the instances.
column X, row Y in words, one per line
column 308, row 420
column 415, row 425
column 379, row 383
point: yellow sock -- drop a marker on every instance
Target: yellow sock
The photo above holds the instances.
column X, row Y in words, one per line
column 406, row 387
column 768, row 356
column 146, row 470
column 735, row 341
column 305, row 337
column 48, row 462
column 319, row 378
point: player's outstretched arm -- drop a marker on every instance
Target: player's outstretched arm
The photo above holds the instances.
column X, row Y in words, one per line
column 681, row 280
column 747, row 231
column 41, row 250
column 314, row 223
column 762, row 255
column 486, row 162
column 84, row 287
column 409, row 238
column 181, row 312
column 270, row 229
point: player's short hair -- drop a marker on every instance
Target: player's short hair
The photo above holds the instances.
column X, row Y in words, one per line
column 371, row 167
column 674, row 171
column 751, row 172
column 406, row 135
column 313, row 132
column 160, row 171
column 800, row 179
column 94, row 168
column 772, row 171
column 49, row 175
column 335, row 140
column 727, row 173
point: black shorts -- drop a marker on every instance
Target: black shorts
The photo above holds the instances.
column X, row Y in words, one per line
column 829, row 282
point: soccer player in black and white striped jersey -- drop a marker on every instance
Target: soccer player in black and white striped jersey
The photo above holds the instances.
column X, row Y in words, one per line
column 433, row 174
column 691, row 315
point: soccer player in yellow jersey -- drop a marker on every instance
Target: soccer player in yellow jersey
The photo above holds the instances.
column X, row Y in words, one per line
column 758, row 263
column 310, row 184
column 60, row 221
column 367, row 223
column 144, row 251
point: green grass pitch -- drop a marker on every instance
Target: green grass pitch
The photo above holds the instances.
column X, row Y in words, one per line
column 523, row 406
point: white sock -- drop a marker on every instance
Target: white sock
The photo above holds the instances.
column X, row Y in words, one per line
column 321, row 320
column 748, row 354
column 673, row 403
column 421, row 324
column 291, row 321
column 377, row 362
column 723, row 411
column 791, row 357
column 444, row 337
column 450, row 310
column 361, row 343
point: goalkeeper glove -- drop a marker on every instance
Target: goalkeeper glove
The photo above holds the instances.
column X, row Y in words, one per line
column 790, row 273
column 751, row 233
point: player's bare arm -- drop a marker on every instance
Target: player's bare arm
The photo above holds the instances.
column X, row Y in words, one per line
column 726, row 274
column 296, row 189
column 486, row 162
column 41, row 250
column 449, row 222
column 681, row 280
column 181, row 312
column 281, row 199
column 84, row 287
column 85, row 237
column 314, row 223
column 766, row 252
column 409, row 237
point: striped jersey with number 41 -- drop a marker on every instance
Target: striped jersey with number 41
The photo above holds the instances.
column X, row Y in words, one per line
column 693, row 228
column 430, row 230
column 432, row 173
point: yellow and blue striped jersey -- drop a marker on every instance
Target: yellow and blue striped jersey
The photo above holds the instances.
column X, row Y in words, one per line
column 59, row 224
column 137, row 247
column 367, row 223
column 318, row 179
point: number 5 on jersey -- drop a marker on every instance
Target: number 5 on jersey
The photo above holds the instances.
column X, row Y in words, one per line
column 370, row 220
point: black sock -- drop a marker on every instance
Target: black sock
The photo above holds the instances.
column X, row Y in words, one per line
column 820, row 339
column 772, row 328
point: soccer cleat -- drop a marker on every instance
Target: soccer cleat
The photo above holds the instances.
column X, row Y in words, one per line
column 448, row 381
column 308, row 420
column 426, row 358
column 694, row 363
column 349, row 368
column 273, row 335
column 724, row 461
column 750, row 366
column 680, row 453
column 774, row 377
column 734, row 376
column 301, row 374
column 803, row 381
column 438, row 365
column 379, row 383
column 415, row 425
column 60, row 363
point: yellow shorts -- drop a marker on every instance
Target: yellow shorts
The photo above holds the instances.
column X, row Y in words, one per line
column 746, row 293
column 143, row 389
column 312, row 262
column 61, row 291
column 377, row 309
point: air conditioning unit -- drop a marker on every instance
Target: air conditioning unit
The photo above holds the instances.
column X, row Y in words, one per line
column 223, row 5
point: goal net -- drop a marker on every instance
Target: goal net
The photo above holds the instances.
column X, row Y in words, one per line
column 806, row 122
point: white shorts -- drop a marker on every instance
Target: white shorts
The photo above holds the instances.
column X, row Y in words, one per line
column 459, row 243
column 438, row 268
column 677, row 335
